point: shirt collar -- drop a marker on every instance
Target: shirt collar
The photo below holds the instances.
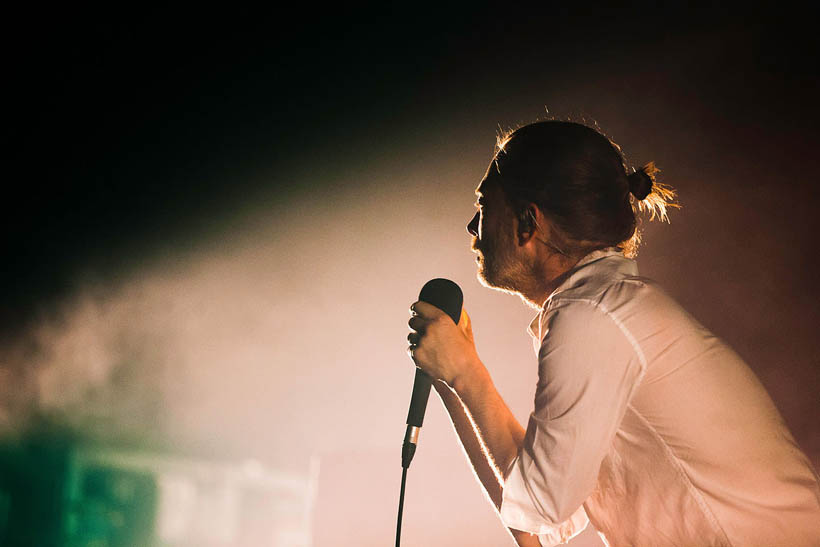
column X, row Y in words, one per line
column 590, row 265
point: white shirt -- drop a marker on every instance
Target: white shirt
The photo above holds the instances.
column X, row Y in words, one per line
column 650, row 427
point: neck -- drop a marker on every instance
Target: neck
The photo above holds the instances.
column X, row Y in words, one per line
column 547, row 274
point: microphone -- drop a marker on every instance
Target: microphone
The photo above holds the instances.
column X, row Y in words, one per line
column 446, row 296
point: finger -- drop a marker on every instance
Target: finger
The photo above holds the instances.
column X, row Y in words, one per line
column 411, row 352
column 417, row 323
column 425, row 310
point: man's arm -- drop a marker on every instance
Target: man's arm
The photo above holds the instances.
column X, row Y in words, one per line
column 484, row 463
column 489, row 433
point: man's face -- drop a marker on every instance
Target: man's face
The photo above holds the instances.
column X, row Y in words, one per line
column 493, row 234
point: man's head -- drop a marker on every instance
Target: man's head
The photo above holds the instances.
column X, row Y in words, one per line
column 553, row 192
column 493, row 231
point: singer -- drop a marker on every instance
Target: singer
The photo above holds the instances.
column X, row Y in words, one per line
column 644, row 423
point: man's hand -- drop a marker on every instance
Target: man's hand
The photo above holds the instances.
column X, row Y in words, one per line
column 438, row 346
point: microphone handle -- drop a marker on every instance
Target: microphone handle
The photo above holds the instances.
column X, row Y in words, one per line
column 418, row 401
column 418, row 405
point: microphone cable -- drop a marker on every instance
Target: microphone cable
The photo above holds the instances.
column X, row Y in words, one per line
column 401, row 506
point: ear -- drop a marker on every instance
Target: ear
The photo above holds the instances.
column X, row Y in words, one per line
column 527, row 223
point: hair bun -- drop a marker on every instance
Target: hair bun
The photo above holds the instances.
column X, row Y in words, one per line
column 642, row 180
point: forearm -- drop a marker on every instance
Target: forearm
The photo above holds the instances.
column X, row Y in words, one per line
column 488, row 431
column 496, row 429
column 490, row 436
column 478, row 455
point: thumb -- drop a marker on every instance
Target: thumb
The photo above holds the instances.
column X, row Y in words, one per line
column 465, row 324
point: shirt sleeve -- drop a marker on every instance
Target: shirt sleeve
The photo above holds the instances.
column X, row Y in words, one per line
column 589, row 366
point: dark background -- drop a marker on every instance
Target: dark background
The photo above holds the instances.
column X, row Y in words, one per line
column 134, row 125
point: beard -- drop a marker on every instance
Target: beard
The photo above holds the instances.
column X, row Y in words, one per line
column 499, row 268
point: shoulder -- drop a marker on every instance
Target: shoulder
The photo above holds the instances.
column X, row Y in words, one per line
column 587, row 320
column 604, row 277
column 604, row 300
column 587, row 356
column 611, row 287
column 597, row 323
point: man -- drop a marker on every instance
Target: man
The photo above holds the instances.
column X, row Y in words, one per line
column 644, row 423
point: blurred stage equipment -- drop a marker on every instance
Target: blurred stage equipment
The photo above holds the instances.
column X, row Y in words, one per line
column 67, row 494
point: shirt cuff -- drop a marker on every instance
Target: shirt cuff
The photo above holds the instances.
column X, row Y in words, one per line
column 519, row 511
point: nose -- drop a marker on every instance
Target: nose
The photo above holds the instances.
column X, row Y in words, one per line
column 472, row 227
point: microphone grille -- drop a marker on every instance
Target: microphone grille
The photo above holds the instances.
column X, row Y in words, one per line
column 445, row 295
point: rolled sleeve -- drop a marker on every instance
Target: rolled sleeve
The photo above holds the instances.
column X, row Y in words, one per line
column 519, row 511
column 588, row 369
